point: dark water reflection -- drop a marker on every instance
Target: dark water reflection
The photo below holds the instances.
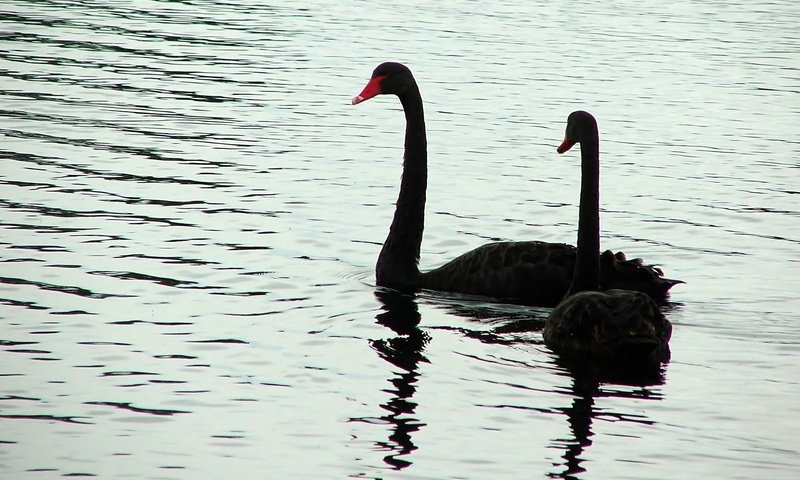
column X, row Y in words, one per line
column 586, row 389
column 405, row 351
column 589, row 381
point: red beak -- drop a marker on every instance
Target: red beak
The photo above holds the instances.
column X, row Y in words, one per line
column 373, row 88
column 565, row 145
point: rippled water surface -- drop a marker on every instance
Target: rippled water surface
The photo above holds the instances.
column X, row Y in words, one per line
column 190, row 213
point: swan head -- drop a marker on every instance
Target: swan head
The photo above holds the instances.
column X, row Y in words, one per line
column 581, row 126
column 388, row 77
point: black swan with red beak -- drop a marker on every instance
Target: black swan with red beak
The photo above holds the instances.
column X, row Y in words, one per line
column 621, row 326
column 529, row 272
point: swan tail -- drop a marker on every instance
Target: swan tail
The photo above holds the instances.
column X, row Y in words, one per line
column 616, row 271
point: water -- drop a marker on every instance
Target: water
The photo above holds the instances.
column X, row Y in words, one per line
column 191, row 211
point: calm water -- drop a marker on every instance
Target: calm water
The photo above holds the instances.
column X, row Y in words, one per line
column 190, row 212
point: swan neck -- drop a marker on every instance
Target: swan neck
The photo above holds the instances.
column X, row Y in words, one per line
column 587, row 264
column 397, row 263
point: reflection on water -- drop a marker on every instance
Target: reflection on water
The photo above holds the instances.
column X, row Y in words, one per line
column 190, row 214
column 589, row 382
column 401, row 315
column 586, row 389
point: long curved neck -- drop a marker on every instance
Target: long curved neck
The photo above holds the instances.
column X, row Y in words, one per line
column 397, row 262
column 587, row 263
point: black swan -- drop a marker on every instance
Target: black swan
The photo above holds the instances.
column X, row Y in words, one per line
column 531, row 272
column 614, row 324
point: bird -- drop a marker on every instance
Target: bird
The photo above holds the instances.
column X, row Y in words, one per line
column 527, row 272
column 617, row 325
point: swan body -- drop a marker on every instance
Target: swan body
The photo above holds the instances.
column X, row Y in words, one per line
column 538, row 273
column 616, row 324
column 531, row 272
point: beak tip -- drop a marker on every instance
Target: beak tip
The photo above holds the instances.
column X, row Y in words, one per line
column 565, row 145
column 357, row 99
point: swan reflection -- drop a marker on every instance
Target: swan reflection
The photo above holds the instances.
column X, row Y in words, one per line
column 591, row 380
column 586, row 388
column 400, row 314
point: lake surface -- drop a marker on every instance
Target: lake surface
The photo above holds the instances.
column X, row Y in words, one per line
column 190, row 213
